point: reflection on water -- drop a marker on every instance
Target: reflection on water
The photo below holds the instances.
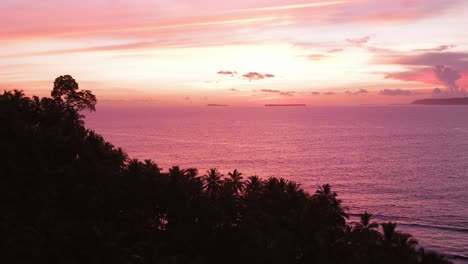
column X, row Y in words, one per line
column 402, row 163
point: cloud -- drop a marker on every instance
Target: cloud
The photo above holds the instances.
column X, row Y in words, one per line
column 329, row 93
column 227, row 72
column 437, row 91
column 283, row 93
column 433, row 67
column 415, row 74
column 233, row 90
column 395, row 92
column 438, row 48
column 446, row 93
column 103, row 48
column 387, row 11
column 145, row 18
column 295, row 6
column 315, row 93
column 257, row 76
column 359, row 92
column 359, row 41
column 454, row 59
column 448, row 76
column 458, row 60
column 187, row 98
column 270, row 91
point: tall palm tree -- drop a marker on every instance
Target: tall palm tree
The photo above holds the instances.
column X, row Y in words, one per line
column 213, row 182
column 236, row 181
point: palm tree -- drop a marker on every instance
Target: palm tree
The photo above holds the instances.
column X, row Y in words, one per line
column 192, row 179
column 365, row 224
column 213, row 182
column 191, row 173
column 175, row 174
column 325, row 191
column 404, row 240
column 388, row 231
column 292, row 187
column 253, row 184
column 236, row 181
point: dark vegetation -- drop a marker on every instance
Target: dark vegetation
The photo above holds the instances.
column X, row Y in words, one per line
column 68, row 196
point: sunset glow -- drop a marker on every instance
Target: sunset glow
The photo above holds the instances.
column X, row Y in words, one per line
column 236, row 132
column 240, row 52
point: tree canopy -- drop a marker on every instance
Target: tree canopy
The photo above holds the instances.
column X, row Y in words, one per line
column 66, row 88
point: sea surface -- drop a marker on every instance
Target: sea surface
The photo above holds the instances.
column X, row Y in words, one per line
column 407, row 164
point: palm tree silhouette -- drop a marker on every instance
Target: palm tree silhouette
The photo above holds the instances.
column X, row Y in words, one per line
column 236, row 181
column 404, row 240
column 191, row 173
column 254, row 184
column 325, row 191
column 176, row 174
column 365, row 224
column 213, row 182
column 388, row 231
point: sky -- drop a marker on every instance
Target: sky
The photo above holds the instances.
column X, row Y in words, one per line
column 244, row 52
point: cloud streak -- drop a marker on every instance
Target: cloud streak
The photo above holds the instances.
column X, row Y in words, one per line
column 358, row 92
column 359, row 41
column 295, row 6
column 395, row 92
column 227, row 73
column 283, row 93
column 253, row 76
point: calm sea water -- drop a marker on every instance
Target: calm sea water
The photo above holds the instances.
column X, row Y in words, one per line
column 407, row 164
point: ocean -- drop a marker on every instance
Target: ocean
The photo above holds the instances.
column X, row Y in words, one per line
column 407, row 164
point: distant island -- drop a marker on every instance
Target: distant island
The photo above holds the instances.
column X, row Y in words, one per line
column 444, row 101
column 217, row 105
column 285, row 105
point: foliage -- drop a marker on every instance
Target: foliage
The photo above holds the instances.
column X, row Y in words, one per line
column 66, row 88
column 68, row 196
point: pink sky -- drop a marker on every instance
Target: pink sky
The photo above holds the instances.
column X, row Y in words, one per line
column 181, row 52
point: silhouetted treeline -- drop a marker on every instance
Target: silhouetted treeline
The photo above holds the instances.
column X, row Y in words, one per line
column 68, row 196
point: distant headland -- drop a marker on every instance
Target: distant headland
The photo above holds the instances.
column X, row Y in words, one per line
column 285, row 105
column 445, row 101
